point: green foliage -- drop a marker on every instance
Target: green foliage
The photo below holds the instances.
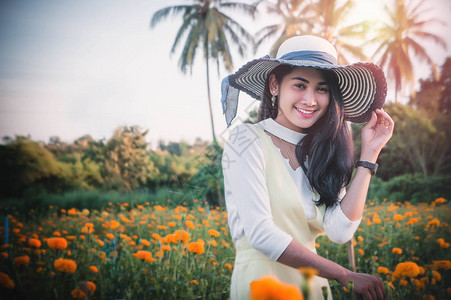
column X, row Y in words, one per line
column 99, row 199
column 25, row 164
column 209, row 178
column 410, row 187
column 421, row 143
column 127, row 165
column 424, row 142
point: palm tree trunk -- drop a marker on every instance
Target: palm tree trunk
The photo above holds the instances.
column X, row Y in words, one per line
column 218, row 184
column 208, row 91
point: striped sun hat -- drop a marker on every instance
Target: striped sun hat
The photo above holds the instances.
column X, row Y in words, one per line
column 362, row 85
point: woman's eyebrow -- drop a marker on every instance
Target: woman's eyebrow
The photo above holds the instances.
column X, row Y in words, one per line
column 306, row 81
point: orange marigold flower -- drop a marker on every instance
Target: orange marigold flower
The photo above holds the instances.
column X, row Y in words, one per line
column 125, row 220
column 114, row 224
column 442, row 264
column 182, row 236
column 92, row 287
column 432, row 223
column 72, row 211
column 403, row 282
column 269, row 287
column 190, row 225
column 412, row 221
column 169, row 238
column 145, row 242
column 196, row 247
column 419, row 284
column 65, row 265
column 228, row 266
column 156, row 236
column 5, row 281
column 398, row 217
column 213, row 233
column 34, row 243
column 161, row 227
column 78, row 294
column 171, row 224
column 165, row 248
column 57, row 243
column 444, row 245
column 307, row 272
column 159, row 208
column 406, row 269
column 396, row 250
column 382, row 270
column 144, row 255
column 440, row 200
column 110, row 236
column 94, row 269
column 22, row 260
column 437, row 276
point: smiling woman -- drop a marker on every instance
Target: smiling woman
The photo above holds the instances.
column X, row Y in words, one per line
column 285, row 177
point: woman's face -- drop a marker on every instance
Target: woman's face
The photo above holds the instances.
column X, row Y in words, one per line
column 303, row 97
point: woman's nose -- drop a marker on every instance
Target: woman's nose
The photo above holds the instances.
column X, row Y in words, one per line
column 308, row 97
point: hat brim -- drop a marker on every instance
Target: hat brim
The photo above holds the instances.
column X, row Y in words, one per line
column 362, row 85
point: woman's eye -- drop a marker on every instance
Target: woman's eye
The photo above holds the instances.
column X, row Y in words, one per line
column 300, row 85
column 323, row 90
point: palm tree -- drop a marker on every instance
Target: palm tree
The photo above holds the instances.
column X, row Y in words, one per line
column 330, row 16
column 297, row 18
column 207, row 27
column 406, row 32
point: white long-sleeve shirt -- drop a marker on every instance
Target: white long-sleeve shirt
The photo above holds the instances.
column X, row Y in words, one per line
column 246, row 194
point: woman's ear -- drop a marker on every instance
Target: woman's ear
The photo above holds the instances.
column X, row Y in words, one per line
column 273, row 85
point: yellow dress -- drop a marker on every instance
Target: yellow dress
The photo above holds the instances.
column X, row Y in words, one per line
column 288, row 214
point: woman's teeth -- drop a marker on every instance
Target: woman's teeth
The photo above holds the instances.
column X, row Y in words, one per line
column 305, row 111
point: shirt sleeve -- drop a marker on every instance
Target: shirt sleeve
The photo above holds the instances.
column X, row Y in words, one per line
column 246, row 193
column 337, row 226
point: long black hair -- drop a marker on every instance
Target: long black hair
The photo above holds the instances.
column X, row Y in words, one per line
column 326, row 151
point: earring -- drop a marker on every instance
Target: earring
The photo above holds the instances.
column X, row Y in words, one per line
column 273, row 98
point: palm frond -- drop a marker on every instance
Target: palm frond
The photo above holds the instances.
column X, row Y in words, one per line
column 265, row 34
column 190, row 48
column 187, row 22
column 419, row 50
column 163, row 13
column 247, row 9
column 356, row 51
column 430, row 36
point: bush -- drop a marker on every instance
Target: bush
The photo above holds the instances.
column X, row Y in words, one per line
column 411, row 187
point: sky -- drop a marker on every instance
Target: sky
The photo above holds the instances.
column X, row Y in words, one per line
column 71, row 68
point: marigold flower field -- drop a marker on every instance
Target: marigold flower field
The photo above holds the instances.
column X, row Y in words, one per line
column 155, row 252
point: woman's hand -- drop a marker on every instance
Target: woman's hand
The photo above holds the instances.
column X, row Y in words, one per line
column 375, row 134
column 369, row 286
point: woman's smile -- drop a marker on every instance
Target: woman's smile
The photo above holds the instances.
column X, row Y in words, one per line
column 305, row 112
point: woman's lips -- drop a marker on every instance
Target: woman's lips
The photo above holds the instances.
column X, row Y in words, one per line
column 305, row 112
